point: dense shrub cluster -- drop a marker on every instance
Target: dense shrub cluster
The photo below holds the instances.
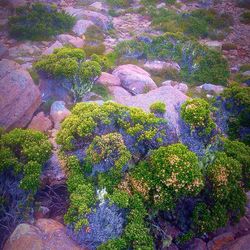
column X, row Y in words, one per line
column 22, row 155
column 198, row 23
column 198, row 63
column 237, row 100
column 24, row 152
column 158, row 108
column 197, row 114
column 122, row 175
column 38, row 22
column 76, row 73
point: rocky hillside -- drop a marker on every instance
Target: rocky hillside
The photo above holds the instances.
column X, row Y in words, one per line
column 124, row 124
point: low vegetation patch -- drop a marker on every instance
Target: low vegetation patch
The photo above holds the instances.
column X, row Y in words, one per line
column 39, row 22
column 198, row 63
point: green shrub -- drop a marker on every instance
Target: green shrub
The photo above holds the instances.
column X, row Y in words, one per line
column 245, row 17
column 171, row 173
column 199, row 64
column 25, row 152
column 70, row 64
column 39, row 22
column 198, row 23
column 119, row 3
column 197, row 113
column 240, row 152
column 158, row 107
column 237, row 99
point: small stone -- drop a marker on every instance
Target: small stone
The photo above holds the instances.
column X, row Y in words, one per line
column 41, row 123
column 58, row 113
column 50, row 50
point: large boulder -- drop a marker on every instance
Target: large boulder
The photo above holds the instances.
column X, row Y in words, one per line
column 240, row 244
column 220, row 241
column 45, row 234
column 97, row 18
column 178, row 85
column 134, row 79
column 81, row 26
column 19, row 96
column 173, row 98
column 210, row 88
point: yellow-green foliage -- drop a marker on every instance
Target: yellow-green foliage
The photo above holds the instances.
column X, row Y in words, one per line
column 25, row 152
column 172, row 172
column 158, row 107
column 38, row 22
column 86, row 117
column 197, row 113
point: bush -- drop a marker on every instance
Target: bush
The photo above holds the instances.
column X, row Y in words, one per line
column 197, row 114
column 245, row 17
column 39, row 22
column 171, row 173
column 158, row 107
column 69, row 64
column 237, row 101
column 119, row 3
column 240, row 152
column 198, row 63
column 24, row 152
column 198, row 23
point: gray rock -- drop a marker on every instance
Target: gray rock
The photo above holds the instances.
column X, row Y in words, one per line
column 210, row 88
column 55, row 45
column 158, row 66
column 81, row 26
column 134, row 79
column 58, row 113
column 72, row 40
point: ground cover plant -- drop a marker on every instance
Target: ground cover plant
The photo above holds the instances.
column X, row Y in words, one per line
column 23, row 154
column 198, row 63
column 39, row 22
column 123, row 174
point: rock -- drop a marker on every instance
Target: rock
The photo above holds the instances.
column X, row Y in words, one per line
column 91, row 96
column 25, row 237
column 53, row 173
column 107, row 79
column 178, row 85
column 72, row 40
column 134, row 79
column 171, row 247
column 58, row 113
column 159, row 66
column 97, row 18
column 214, row 44
column 246, row 73
column 119, row 93
column 173, row 98
column 81, row 26
column 160, row 5
column 3, row 50
column 50, row 50
column 210, row 88
column 220, row 241
column 197, row 244
column 240, row 244
column 19, row 98
column 24, row 50
column 41, row 123
column 17, row 3
column 98, row 6
column 45, row 234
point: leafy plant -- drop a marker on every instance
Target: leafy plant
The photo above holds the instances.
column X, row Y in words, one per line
column 39, row 22
column 71, row 65
column 197, row 113
column 158, row 107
